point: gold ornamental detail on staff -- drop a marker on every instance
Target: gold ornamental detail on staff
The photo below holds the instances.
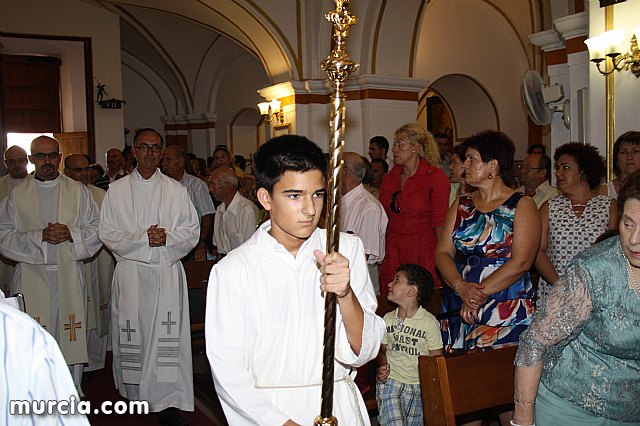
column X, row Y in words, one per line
column 338, row 66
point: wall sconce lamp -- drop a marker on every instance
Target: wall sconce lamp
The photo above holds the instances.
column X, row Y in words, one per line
column 610, row 45
column 274, row 107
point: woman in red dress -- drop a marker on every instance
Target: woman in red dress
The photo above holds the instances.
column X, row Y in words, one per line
column 415, row 196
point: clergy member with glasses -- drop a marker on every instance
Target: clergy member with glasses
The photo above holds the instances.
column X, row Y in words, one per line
column 49, row 225
column 415, row 196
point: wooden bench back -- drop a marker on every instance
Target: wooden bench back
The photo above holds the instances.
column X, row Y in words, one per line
column 197, row 279
column 463, row 383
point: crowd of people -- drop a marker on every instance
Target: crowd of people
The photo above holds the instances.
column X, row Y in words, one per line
column 97, row 256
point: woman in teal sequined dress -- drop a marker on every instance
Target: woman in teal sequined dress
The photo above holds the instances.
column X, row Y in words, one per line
column 578, row 363
column 495, row 233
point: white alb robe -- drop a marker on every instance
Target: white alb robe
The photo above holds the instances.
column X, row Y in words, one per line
column 32, row 254
column 32, row 369
column 264, row 332
column 98, row 272
column 149, row 300
column 7, row 183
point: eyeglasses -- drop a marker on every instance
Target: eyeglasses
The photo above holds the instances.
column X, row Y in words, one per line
column 525, row 167
column 395, row 203
column 155, row 147
column 41, row 155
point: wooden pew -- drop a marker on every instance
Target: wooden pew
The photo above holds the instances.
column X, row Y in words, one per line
column 197, row 278
column 457, row 384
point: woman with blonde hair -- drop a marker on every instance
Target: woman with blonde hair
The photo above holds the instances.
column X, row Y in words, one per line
column 415, row 196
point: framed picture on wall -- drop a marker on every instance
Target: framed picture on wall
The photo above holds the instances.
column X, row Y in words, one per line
column 281, row 129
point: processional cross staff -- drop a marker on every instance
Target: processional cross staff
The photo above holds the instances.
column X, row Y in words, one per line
column 338, row 66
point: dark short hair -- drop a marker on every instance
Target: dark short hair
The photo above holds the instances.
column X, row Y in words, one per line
column 98, row 168
column 381, row 142
column 240, row 161
column 631, row 137
column 537, row 146
column 147, row 129
column 590, row 163
column 494, row 145
column 286, row 153
column 461, row 151
column 630, row 190
column 385, row 165
column 545, row 163
column 421, row 278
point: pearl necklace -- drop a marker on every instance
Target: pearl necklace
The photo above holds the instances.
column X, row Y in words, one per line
column 633, row 282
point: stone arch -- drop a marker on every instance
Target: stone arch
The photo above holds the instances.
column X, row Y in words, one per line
column 469, row 104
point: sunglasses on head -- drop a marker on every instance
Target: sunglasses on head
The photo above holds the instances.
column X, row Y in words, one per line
column 395, row 203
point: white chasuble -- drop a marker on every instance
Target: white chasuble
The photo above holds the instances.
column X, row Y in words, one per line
column 50, row 276
column 7, row 183
column 149, row 302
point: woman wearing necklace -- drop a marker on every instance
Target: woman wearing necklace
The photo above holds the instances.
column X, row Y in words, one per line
column 489, row 241
column 626, row 160
column 573, row 221
column 579, row 360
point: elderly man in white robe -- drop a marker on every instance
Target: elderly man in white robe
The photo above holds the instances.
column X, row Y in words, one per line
column 98, row 273
column 15, row 161
column 149, row 224
column 49, row 225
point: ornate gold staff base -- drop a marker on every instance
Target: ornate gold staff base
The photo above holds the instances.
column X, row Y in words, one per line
column 321, row 421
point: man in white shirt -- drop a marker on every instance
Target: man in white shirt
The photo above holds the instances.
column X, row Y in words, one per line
column 535, row 172
column 15, row 161
column 235, row 219
column 362, row 214
column 49, row 225
column 174, row 165
column 98, row 273
column 149, row 224
column 265, row 305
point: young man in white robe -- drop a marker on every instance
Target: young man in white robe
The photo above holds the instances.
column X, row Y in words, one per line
column 49, row 225
column 265, row 304
column 149, row 224
column 98, row 273
column 15, row 161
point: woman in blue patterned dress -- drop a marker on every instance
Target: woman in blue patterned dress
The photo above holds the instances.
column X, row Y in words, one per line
column 495, row 233
column 579, row 362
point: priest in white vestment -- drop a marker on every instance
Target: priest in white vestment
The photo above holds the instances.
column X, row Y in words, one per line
column 98, row 274
column 149, row 224
column 265, row 305
column 49, row 225
column 15, row 161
